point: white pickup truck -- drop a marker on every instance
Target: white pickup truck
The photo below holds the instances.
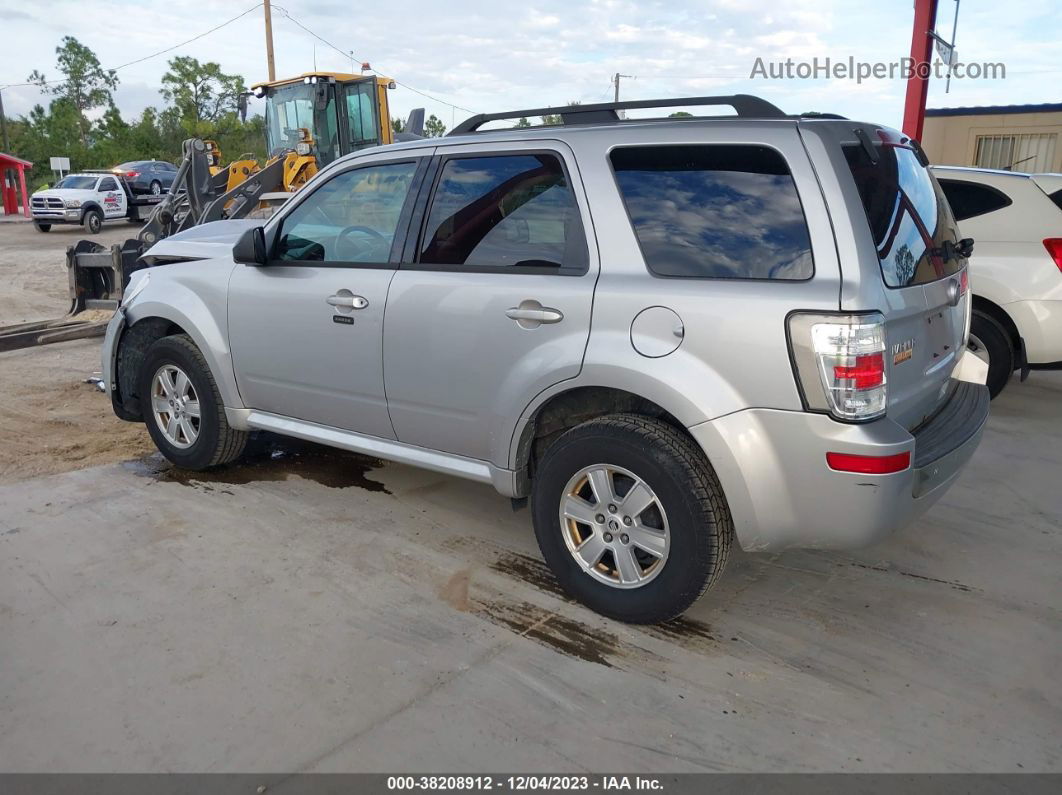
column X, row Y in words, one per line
column 89, row 199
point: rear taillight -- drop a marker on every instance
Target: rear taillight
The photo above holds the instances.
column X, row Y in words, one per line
column 131, row 174
column 1054, row 248
column 840, row 363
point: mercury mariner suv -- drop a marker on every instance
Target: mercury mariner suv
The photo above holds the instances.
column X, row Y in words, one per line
column 667, row 334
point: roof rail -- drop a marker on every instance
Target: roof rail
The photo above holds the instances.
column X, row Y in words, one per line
column 746, row 105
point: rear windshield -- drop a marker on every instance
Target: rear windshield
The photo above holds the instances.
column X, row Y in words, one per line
column 77, row 183
column 909, row 217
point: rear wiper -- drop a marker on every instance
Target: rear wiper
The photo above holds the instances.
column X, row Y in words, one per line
column 949, row 250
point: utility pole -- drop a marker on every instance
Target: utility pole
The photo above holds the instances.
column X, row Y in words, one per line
column 3, row 122
column 615, row 82
column 269, row 40
column 914, row 106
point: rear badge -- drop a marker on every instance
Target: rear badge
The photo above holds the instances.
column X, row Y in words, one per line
column 902, row 351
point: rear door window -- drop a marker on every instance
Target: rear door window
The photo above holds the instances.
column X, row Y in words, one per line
column 908, row 215
column 971, row 199
column 505, row 212
column 715, row 211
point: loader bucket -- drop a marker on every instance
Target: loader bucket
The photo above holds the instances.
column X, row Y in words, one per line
column 98, row 277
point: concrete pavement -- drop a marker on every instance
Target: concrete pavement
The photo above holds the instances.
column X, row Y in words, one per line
column 317, row 611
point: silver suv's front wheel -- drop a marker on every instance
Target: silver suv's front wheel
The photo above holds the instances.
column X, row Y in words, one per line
column 182, row 407
column 630, row 517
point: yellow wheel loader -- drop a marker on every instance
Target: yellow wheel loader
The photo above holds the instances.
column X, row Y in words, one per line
column 311, row 120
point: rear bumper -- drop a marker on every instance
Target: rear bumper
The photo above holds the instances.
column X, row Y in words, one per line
column 781, row 493
column 1040, row 326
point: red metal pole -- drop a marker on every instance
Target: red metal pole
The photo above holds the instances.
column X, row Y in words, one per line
column 22, row 185
column 914, row 106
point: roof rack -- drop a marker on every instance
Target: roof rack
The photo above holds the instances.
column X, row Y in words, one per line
column 746, row 105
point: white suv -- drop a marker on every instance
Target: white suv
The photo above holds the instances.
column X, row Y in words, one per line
column 1016, row 270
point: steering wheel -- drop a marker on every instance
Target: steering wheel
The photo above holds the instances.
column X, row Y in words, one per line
column 363, row 246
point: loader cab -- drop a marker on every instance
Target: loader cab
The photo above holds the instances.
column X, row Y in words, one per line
column 342, row 113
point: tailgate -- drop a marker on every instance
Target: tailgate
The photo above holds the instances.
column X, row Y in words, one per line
column 923, row 273
column 923, row 341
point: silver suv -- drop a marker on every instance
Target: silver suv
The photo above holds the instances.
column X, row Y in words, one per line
column 665, row 333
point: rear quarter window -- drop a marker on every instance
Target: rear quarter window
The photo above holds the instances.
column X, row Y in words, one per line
column 1056, row 197
column 909, row 217
column 971, row 199
column 715, row 211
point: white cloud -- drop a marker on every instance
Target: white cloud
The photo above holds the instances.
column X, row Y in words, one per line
column 484, row 56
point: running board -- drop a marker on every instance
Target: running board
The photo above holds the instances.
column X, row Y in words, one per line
column 448, row 464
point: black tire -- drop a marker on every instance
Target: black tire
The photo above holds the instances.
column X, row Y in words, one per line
column 43, row 227
column 93, row 221
column 156, row 188
column 217, row 443
column 1002, row 358
column 674, row 467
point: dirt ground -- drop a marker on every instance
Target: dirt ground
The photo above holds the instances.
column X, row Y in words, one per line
column 50, row 420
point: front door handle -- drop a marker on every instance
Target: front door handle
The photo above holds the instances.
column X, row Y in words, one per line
column 531, row 314
column 346, row 300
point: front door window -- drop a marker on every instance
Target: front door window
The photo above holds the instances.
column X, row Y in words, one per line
column 351, row 218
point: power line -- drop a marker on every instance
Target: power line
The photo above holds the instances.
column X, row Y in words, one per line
column 348, row 54
column 155, row 54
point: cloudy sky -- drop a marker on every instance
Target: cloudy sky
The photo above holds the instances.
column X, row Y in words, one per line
column 496, row 55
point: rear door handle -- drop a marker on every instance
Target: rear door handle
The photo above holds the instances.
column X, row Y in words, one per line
column 347, row 301
column 531, row 314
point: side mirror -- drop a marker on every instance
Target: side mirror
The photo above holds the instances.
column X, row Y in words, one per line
column 250, row 249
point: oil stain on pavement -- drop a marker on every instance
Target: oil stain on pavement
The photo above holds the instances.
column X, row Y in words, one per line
column 270, row 458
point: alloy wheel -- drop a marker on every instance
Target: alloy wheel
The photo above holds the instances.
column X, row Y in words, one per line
column 175, row 405
column 978, row 349
column 614, row 526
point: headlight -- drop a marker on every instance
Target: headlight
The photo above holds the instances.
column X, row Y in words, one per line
column 73, row 204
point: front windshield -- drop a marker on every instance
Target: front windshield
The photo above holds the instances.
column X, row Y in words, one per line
column 287, row 109
column 291, row 107
column 77, row 183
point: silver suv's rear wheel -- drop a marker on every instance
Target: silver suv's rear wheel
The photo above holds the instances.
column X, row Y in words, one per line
column 614, row 526
column 630, row 517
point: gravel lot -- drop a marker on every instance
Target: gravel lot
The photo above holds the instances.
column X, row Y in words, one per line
column 310, row 610
column 50, row 420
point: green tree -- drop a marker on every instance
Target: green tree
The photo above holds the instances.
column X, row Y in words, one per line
column 397, row 125
column 523, row 122
column 680, row 114
column 555, row 118
column 434, row 128
column 202, row 93
column 85, row 84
